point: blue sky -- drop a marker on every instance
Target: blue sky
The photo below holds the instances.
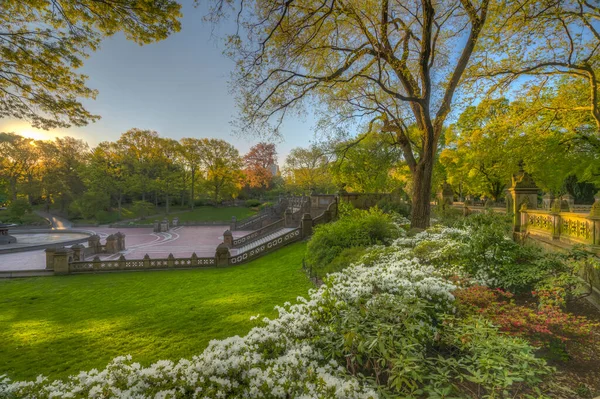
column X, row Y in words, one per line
column 178, row 87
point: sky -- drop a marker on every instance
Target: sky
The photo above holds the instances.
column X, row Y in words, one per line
column 178, row 87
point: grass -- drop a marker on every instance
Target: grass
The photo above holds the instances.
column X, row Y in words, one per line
column 57, row 326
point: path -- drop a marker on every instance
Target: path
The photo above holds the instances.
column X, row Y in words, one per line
column 58, row 223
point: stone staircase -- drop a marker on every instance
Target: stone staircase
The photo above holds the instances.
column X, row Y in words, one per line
column 254, row 244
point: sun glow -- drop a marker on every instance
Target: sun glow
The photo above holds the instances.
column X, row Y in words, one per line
column 26, row 130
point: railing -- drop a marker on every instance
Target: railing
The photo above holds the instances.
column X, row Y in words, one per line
column 275, row 243
column 568, row 227
column 258, row 234
column 123, row 264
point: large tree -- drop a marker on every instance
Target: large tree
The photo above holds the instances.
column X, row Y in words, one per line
column 43, row 42
column 259, row 163
column 307, row 169
column 393, row 63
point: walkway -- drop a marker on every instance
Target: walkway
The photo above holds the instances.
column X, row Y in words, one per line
column 58, row 223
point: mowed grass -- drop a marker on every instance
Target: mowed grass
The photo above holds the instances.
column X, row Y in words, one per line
column 57, row 326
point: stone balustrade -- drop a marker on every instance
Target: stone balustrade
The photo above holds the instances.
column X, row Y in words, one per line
column 565, row 227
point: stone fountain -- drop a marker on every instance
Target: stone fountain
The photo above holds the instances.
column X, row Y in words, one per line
column 4, row 237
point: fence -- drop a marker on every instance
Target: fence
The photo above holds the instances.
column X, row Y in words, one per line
column 258, row 234
column 122, row 264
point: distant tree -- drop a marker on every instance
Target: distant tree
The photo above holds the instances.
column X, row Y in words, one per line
column 221, row 167
column 17, row 157
column 307, row 168
column 192, row 154
column 44, row 42
column 258, row 162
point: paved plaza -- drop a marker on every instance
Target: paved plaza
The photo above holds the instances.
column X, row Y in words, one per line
column 180, row 241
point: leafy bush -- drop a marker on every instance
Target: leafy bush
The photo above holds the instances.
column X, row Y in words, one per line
column 389, row 206
column 18, row 208
column 265, row 205
column 142, row 209
column 547, row 326
column 252, row 203
column 356, row 229
column 89, row 204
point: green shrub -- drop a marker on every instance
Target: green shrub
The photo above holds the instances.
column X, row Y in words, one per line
column 252, row 203
column 18, row 208
column 89, row 204
column 142, row 209
column 265, row 205
column 356, row 229
column 389, row 206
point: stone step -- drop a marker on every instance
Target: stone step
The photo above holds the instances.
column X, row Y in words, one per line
column 276, row 234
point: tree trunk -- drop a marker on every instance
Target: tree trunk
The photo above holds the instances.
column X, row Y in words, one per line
column 167, row 195
column 119, row 201
column 421, row 207
column 193, row 181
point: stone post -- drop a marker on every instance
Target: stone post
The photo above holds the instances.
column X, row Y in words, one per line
column 232, row 226
column 595, row 217
column 523, row 194
column 122, row 261
column 222, row 255
column 146, row 261
column 156, row 228
column 288, row 218
column 164, row 225
column 228, row 239
column 570, row 201
column 175, row 222
column 547, row 201
column 194, row 259
column 111, row 244
column 78, row 252
column 307, row 225
column 62, row 258
column 120, row 241
column 94, row 243
column 170, row 261
column 446, row 195
column 50, row 258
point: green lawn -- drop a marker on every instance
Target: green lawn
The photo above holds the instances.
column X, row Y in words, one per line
column 57, row 326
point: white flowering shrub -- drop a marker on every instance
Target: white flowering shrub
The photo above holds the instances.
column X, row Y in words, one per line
column 375, row 329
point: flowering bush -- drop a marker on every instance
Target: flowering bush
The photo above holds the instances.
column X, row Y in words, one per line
column 381, row 327
column 548, row 326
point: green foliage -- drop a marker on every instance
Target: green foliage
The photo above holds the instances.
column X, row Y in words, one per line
column 18, row 208
column 142, row 209
column 152, row 316
column 355, row 229
column 89, row 205
column 406, row 349
column 252, row 203
column 45, row 42
column 548, row 326
column 391, row 206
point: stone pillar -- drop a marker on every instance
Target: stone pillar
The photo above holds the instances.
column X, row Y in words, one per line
column 121, row 241
column 233, row 226
column 50, row 258
column 222, row 255
column 488, row 203
column 175, row 222
column 547, row 201
column 307, row 225
column 569, row 200
column 156, row 227
column 595, row 217
column 78, row 252
column 62, row 258
column 289, row 222
column 94, row 243
column 194, row 259
column 523, row 194
column 146, row 261
column 164, row 225
column 111, row 244
column 228, row 239
column 446, row 195
column 466, row 205
column 170, row 261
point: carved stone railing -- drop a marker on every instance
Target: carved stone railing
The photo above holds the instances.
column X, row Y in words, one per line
column 288, row 238
column 258, row 234
column 122, row 264
column 567, row 227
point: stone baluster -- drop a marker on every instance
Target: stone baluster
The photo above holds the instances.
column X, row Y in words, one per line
column 62, row 258
column 222, row 255
column 523, row 194
column 170, row 261
column 595, row 217
column 194, row 259
column 78, row 252
column 146, row 261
